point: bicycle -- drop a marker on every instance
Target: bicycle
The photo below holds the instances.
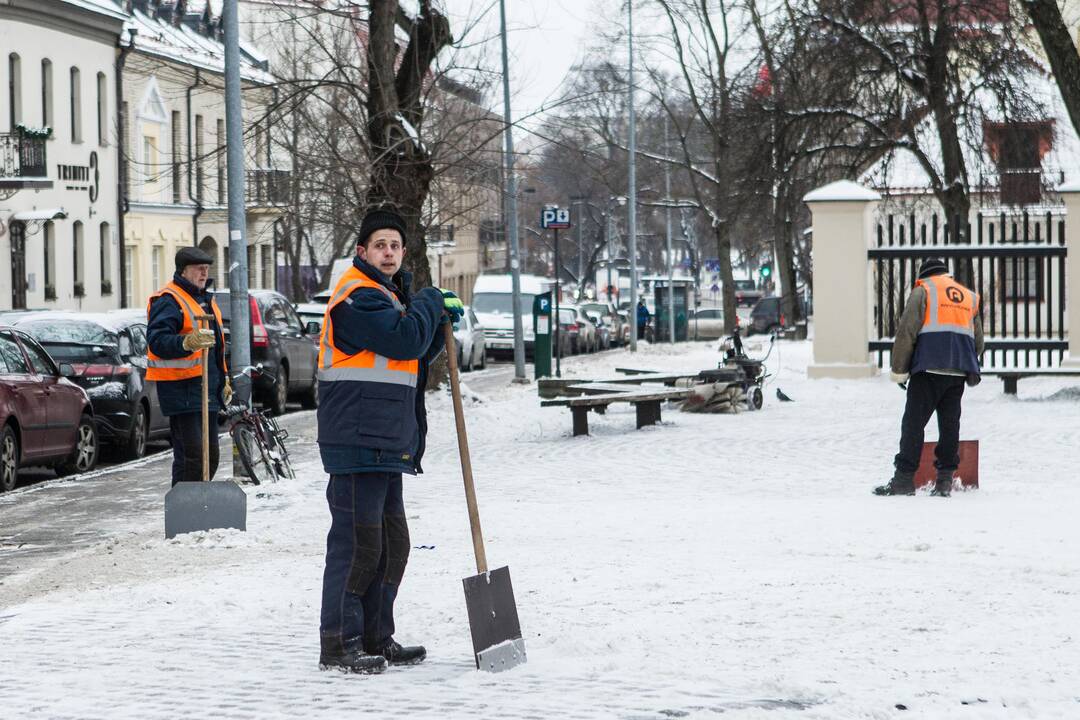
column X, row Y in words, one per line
column 259, row 441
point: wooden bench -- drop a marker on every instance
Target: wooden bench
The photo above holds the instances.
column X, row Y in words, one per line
column 1011, row 376
column 645, row 402
column 558, row 387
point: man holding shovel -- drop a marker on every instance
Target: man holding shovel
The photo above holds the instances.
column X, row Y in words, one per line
column 377, row 342
column 174, row 361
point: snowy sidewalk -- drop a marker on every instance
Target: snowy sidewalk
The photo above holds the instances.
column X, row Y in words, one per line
column 712, row 565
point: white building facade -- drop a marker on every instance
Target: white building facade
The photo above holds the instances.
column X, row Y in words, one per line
column 59, row 154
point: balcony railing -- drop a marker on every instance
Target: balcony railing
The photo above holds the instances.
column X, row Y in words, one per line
column 22, row 157
column 266, row 188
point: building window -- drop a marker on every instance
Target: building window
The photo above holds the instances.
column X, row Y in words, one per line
column 156, row 267
column 102, row 110
column 78, row 258
column 76, row 105
column 14, row 90
column 222, row 189
column 128, row 264
column 46, row 93
column 177, row 180
column 1021, row 279
column 50, row 261
column 251, row 266
column 267, row 267
column 1018, row 149
column 150, row 158
column 226, row 268
column 199, row 158
column 105, row 259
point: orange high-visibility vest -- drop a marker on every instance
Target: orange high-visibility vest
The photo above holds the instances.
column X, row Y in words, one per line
column 336, row 365
column 950, row 307
column 190, row 366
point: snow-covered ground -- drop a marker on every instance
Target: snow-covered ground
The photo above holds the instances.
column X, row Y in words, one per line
column 712, row 565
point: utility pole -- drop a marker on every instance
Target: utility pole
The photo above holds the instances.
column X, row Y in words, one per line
column 511, row 220
column 240, row 324
column 632, row 198
column 670, row 261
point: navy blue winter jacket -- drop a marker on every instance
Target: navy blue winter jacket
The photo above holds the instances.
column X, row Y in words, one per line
column 379, row 427
column 163, row 334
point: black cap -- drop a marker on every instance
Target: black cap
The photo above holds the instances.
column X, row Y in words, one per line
column 933, row 266
column 192, row 256
column 380, row 219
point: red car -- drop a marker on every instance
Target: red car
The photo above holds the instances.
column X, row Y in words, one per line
column 44, row 418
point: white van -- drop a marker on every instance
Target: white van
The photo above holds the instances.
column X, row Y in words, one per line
column 492, row 301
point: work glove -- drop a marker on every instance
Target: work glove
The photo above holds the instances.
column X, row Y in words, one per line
column 227, row 393
column 452, row 304
column 199, row 340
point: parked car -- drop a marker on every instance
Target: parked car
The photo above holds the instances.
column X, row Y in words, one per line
column 471, row 344
column 766, row 316
column 568, row 332
column 603, row 330
column 611, row 317
column 107, row 354
column 311, row 312
column 581, row 332
column 746, row 293
column 624, row 326
column 44, row 418
column 283, row 345
column 707, row 324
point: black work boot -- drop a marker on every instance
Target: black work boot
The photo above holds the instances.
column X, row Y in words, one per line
column 398, row 654
column 901, row 484
column 943, row 485
column 353, row 661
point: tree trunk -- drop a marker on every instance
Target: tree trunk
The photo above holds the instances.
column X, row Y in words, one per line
column 1059, row 47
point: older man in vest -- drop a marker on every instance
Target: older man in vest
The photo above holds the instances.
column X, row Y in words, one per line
column 174, row 360
column 935, row 354
column 377, row 341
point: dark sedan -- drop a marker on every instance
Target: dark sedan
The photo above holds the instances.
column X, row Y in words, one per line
column 44, row 418
column 107, row 354
column 285, row 346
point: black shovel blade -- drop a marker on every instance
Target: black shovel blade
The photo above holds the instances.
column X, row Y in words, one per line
column 493, row 620
column 195, row 506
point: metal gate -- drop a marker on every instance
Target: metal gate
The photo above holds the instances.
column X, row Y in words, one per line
column 1016, row 262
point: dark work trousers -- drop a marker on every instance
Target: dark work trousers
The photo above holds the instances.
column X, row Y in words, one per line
column 928, row 393
column 186, row 431
column 366, row 552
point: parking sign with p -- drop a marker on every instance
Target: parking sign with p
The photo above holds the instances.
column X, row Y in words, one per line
column 555, row 218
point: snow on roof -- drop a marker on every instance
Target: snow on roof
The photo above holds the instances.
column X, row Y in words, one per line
column 103, row 7
column 900, row 171
column 183, row 44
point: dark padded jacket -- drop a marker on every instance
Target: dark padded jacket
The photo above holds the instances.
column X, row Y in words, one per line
column 178, row 397
column 371, row 426
column 905, row 343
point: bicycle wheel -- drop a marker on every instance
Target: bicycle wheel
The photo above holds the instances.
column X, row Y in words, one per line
column 276, row 441
column 254, row 455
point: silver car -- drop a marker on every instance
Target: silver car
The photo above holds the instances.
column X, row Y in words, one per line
column 471, row 345
column 707, row 324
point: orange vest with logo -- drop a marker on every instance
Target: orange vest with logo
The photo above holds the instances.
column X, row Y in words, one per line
column 336, row 365
column 950, row 307
column 162, row 369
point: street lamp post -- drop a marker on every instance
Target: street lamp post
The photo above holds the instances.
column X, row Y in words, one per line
column 632, row 194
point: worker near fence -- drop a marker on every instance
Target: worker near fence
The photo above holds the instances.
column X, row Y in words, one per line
column 377, row 342
column 174, row 361
column 935, row 355
column 643, row 317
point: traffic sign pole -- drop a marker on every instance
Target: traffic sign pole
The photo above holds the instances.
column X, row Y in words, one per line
column 558, row 331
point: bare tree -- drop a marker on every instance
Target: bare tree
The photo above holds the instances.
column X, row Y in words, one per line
column 1060, row 50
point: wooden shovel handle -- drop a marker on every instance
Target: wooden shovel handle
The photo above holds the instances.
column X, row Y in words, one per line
column 463, row 451
column 205, row 353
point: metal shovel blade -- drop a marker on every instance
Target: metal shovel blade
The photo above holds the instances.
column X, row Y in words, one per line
column 493, row 620
column 195, row 506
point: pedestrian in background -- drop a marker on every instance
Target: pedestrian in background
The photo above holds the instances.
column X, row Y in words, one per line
column 643, row 317
column 174, row 360
column 935, row 354
column 377, row 342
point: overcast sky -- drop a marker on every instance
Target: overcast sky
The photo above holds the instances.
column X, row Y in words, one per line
column 546, row 38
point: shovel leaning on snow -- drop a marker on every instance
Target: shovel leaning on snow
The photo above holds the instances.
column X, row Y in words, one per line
column 489, row 596
column 195, row 506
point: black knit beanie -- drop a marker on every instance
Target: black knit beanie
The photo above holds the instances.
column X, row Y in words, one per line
column 380, row 220
column 933, row 266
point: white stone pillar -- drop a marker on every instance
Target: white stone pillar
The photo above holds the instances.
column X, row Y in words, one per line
column 843, row 222
column 1070, row 193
